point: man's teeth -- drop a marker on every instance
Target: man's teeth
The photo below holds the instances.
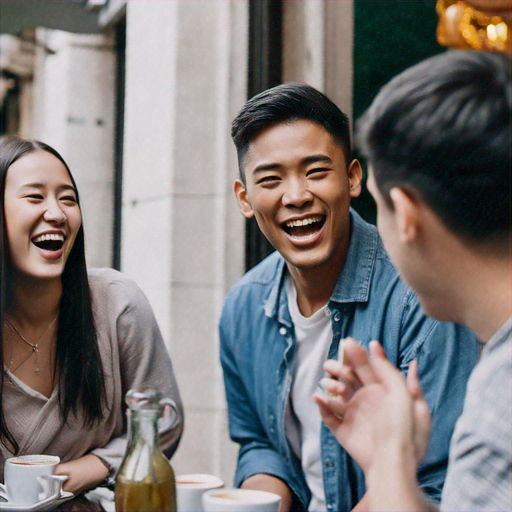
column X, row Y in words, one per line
column 48, row 236
column 304, row 222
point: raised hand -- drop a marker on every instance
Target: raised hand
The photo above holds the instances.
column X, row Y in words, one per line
column 373, row 410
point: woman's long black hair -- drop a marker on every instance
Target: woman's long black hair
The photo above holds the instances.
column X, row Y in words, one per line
column 81, row 385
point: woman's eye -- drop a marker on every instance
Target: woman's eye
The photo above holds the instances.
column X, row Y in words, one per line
column 34, row 196
column 69, row 199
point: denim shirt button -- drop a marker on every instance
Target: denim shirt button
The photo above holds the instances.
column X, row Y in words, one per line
column 337, row 317
column 329, row 506
column 282, row 331
column 328, row 312
column 329, row 463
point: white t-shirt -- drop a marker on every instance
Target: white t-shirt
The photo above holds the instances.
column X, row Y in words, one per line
column 314, row 336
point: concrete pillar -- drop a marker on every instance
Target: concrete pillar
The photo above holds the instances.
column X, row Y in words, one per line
column 303, row 42
column 317, row 47
column 182, row 235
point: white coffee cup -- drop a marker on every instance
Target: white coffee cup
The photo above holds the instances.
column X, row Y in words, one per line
column 190, row 488
column 30, row 479
column 240, row 500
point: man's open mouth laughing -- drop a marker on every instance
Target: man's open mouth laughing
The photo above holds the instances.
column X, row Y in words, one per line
column 304, row 230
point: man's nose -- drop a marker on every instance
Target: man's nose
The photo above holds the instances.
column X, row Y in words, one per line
column 297, row 194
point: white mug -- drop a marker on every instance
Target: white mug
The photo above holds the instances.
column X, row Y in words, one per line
column 240, row 500
column 190, row 488
column 30, row 479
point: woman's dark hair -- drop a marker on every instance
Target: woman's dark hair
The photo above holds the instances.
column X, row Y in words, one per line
column 78, row 365
column 286, row 103
column 441, row 129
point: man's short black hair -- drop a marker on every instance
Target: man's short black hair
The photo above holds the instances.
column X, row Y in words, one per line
column 284, row 104
column 441, row 129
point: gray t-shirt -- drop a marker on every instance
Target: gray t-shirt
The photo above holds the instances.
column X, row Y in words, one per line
column 479, row 474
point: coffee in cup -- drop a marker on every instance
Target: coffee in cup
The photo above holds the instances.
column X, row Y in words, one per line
column 30, row 479
column 190, row 488
column 240, row 500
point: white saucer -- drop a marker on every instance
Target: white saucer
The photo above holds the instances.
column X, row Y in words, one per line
column 46, row 504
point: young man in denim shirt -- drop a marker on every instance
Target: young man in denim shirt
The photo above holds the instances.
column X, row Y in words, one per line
column 330, row 278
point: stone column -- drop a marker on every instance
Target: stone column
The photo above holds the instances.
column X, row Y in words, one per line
column 182, row 235
column 317, row 47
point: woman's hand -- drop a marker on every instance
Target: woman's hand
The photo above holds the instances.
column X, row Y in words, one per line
column 83, row 473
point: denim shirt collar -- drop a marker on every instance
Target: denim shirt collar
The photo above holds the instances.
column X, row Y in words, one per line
column 353, row 283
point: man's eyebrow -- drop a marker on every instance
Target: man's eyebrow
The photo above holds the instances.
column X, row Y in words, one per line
column 265, row 167
column 316, row 158
column 305, row 161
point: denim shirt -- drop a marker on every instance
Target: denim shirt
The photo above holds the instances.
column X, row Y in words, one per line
column 369, row 302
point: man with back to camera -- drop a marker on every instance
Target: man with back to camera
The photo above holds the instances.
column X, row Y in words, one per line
column 330, row 278
column 441, row 181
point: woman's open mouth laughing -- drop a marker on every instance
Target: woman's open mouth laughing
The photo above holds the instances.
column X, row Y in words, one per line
column 50, row 244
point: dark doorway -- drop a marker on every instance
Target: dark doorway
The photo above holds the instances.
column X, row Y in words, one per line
column 120, row 45
column 389, row 36
column 10, row 111
column 265, row 64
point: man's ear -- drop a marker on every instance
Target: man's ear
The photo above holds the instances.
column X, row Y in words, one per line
column 407, row 213
column 355, row 176
column 243, row 202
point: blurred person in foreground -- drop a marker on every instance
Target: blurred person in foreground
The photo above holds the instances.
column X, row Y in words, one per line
column 329, row 278
column 437, row 140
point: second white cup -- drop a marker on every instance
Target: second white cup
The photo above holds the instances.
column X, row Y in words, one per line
column 240, row 500
column 190, row 488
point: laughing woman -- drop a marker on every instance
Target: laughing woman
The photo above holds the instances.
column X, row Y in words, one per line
column 73, row 341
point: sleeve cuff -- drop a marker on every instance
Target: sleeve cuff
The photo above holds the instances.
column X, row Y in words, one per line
column 110, row 478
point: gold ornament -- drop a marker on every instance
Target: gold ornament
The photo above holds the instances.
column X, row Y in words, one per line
column 464, row 27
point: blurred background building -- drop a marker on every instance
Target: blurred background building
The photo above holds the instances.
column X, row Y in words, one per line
column 138, row 96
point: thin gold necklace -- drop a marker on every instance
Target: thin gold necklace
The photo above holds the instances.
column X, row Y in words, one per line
column 35, row 346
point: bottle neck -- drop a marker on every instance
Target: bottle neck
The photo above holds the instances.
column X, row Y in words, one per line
column 143, row 428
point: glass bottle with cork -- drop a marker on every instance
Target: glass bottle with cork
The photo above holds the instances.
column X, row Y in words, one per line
column 145, row 481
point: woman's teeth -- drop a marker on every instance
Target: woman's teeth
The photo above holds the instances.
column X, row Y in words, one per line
column 48, row 236
column 49, row 241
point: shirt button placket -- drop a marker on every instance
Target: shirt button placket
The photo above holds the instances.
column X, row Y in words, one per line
column 271, row 419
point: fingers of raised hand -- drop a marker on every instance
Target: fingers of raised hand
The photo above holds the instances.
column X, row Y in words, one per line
column 413, row 382
column 332, row 387
column 331, row 410
column 386, row 373
column 376, row 350
column 342, row 372
column 358, row 360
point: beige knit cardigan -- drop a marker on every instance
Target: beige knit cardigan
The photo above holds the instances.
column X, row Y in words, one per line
column 132, row 353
